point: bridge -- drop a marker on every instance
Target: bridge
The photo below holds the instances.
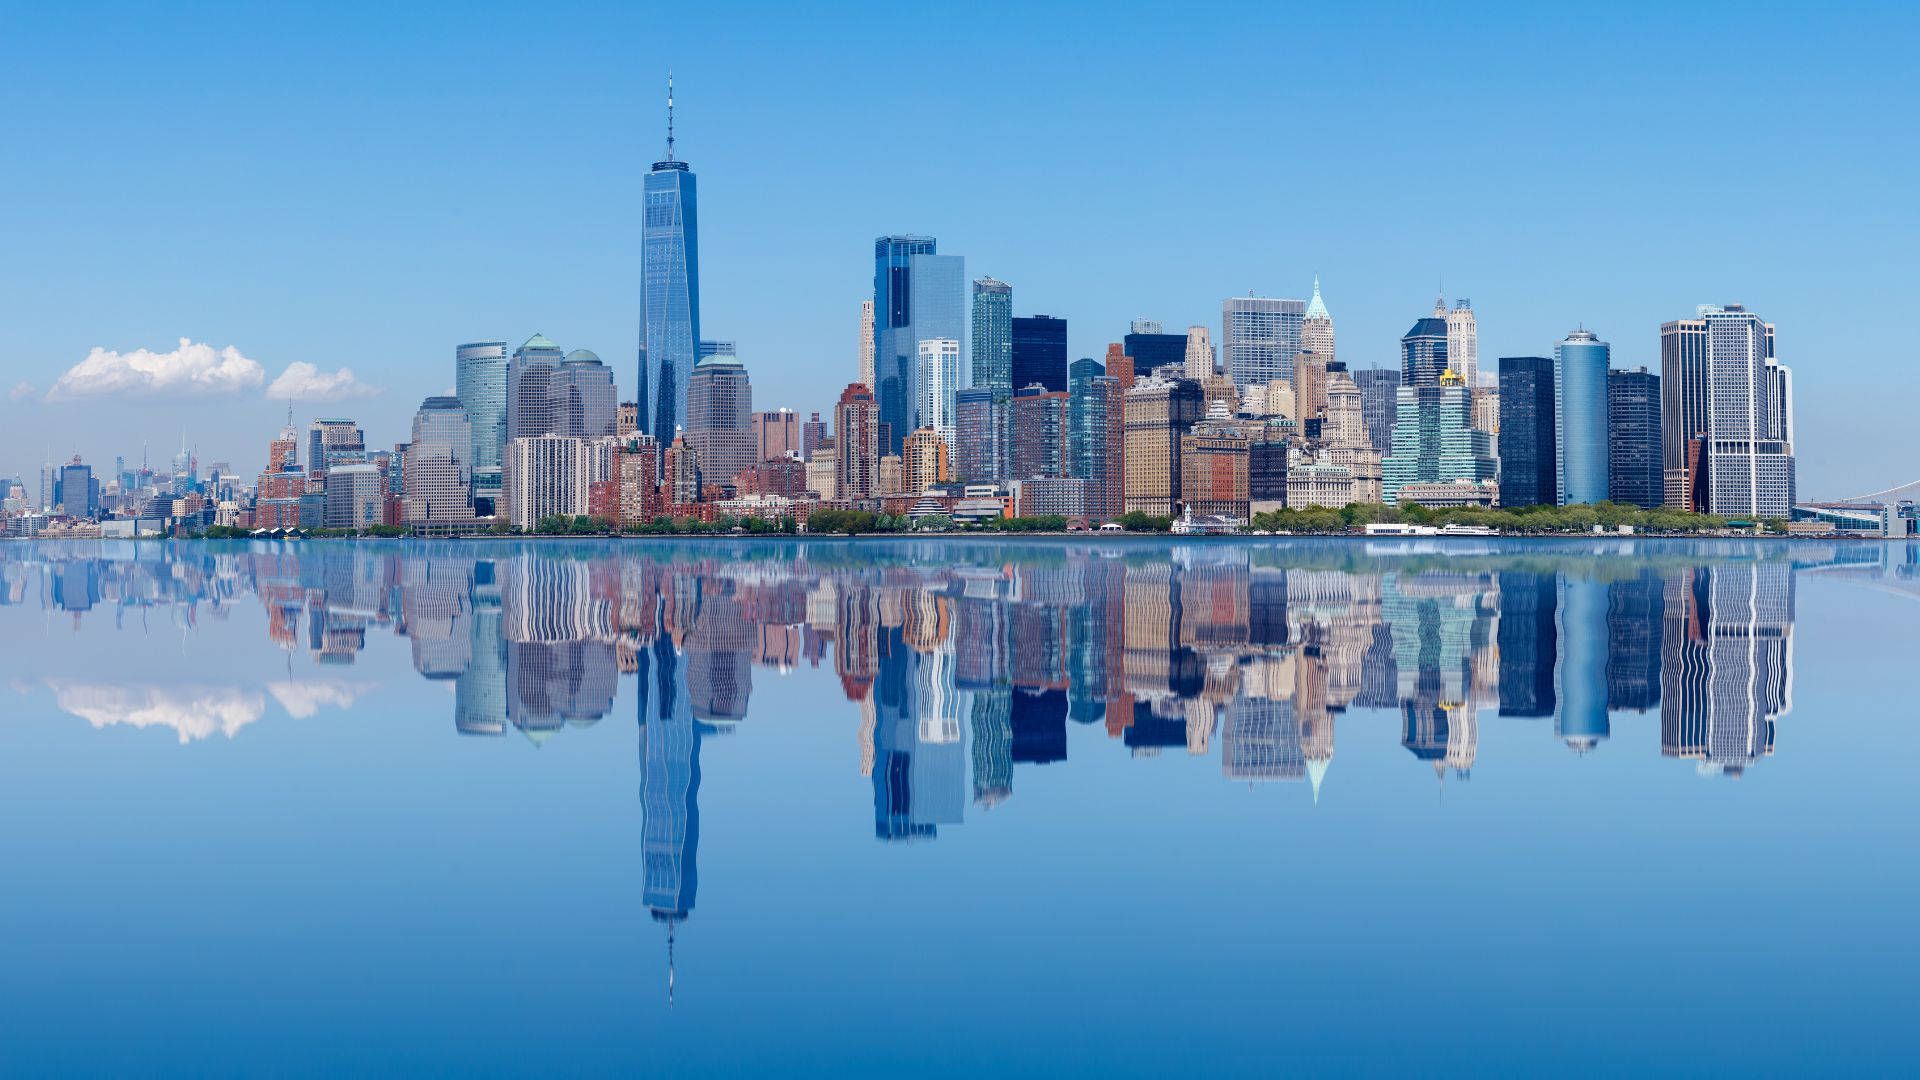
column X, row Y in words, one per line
column 1887, row 512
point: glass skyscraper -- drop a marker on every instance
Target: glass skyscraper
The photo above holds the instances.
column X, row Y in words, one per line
column 1528, row 476
column 1580, row 418
column 1634, row 468
column 1423, row 353
column 1040, row 353
column 1260, row 338
column 480, row 382
column 918, row 295
column 1379, row 392
column 669, row 293
column 993, row 336
column 1151, row 348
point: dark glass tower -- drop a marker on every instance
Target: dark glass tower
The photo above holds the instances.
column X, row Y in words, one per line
column 1635, row 467
column 1040, row 352
column 1379, row 392
column 1423, row 353
column 918, row 295
column 1527, row 465
column 669, row 291
column 1150, row 351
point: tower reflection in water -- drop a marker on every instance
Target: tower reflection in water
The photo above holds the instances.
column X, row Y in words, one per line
column 963, row 663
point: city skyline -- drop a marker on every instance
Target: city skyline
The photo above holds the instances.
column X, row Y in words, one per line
column 798, row 345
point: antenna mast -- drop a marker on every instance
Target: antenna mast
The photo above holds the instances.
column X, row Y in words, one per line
column 669, row 116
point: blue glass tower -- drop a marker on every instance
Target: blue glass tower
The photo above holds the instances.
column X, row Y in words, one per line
column 669, row 291
column 1040, row 353
column 1580, row 418
column 918, row 295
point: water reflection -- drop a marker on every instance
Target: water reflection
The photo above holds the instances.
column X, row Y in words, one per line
column 963, row 665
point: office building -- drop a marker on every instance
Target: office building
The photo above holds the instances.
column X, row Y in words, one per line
column 1039, row 353
column 1213, row 468
column 1309, row 387
column 76, row 490
column 1120, row 365
column 1037, row 448
column 856, row 425
column 1435, row 442
column 1528, row 445
column 720, row 416
column 1635, row 468
column 550, row 393
column 1260, row 337
column 1150, row 348
column 480, row 382
column 1316, row 327
column 437, row 475
column 682, row 480
column 355, row 496
column 1463, row 340
column 936, row 379
column 1379, row 404
column 1158, row 413
column 918, row 295
column 866, row 343
column 1095, row 418
column 548, row 474
column 669, row 291
column 1198, row 359
column 334, row 441
column 814, row 434
column 776, row 435
column 1750, row 464
column 1423, row 351
column 980, row 435
column 1580, row 418
column 924, row 461
column 993, row 336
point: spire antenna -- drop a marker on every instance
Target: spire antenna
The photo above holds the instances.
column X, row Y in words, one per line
column 669, row 115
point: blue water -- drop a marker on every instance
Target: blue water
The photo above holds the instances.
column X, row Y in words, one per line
column 967, row 808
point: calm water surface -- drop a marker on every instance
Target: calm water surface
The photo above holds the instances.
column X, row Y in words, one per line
column 969, row 808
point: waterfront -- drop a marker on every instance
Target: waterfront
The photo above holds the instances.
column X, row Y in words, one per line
column 1008, row 807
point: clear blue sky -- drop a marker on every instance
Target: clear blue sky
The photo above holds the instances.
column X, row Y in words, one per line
column 368, row 186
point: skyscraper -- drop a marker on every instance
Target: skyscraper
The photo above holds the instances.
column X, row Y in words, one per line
column 1435, row 442
column 437, row 469
column 1379, row 395
column 925, row 461
column 856, row 424
column 1093, row 408
column 1158, row 412
column 1750, row 466
column 1198, row 358
column 936, row 379
column 980, row 435
column 720, row 417
column 669, row 291
column 1038, row 445
column 480, row 382
column 1039, row 353
column 1634, row 464
column 1463, row 339
column 1423, row 352
column 1260, row 338
column 776, row 435
column 917, row 295
column 1151, row 349
column 333, row 441
column 551, row 393
column 1316, row 327
column 1683, row 408
column 1580, row 418
column 1528, row 475
column 993, row 335
column 866, row 343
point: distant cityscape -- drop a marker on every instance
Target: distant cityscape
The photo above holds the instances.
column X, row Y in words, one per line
column 959, row 411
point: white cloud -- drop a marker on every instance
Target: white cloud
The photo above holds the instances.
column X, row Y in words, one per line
column 21, row 391
column 193, row 368
column 302, row 698
column 304, row 382
column 193, row 712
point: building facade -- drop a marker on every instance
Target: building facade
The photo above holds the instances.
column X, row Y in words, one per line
column 1423, row 352
column 1158, row 413
column 1379, row 404
column 980, row 435
column 1635, row 465
column 1039, row 352
column 918, row 295
column 1580, row 418
column 1750, row 463
column 1037, row 447
column 993, row 335
column 856, row 425
column 1260, row 337
column 720, row 417
column 937, row 379
column 1528, row 474
column 480, row 382
column 669, row 292
column 1435, row 442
